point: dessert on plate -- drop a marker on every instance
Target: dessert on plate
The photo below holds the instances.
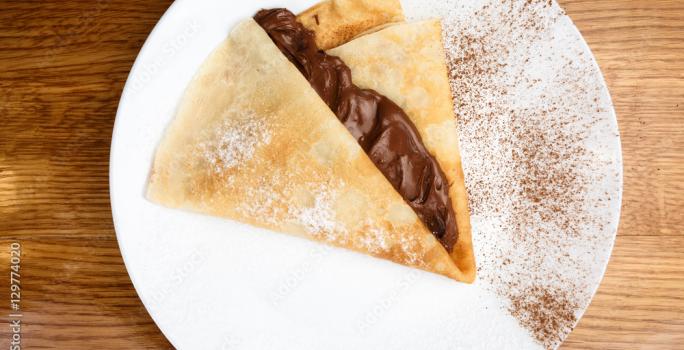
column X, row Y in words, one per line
column 355, row 147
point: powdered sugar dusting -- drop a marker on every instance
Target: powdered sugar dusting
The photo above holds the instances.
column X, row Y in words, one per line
column 543, row 178
column 235, row 141
column 319, row 218
column 264, row 203
column 314, row 211
column 376, row 241
column 311, row 207
column 408, row 245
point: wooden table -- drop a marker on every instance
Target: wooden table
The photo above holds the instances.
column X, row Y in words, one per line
column 63, row 65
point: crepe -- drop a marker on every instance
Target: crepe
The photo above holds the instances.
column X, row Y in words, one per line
column 253, row 142
column 406, row 62
column 338, row 21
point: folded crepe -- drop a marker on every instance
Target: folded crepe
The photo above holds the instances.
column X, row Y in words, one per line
column 406, row 62
column 338, row 21
column 253, row 142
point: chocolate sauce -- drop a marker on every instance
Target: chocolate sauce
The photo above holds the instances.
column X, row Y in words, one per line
column 382, row 128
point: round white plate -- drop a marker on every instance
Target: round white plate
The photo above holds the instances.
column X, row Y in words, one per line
column 542, row 157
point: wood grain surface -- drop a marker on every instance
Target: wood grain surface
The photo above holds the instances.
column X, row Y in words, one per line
column 63, row 65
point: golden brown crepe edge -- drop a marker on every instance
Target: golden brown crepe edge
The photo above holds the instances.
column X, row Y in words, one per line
column 339, row 21
column 463, row 251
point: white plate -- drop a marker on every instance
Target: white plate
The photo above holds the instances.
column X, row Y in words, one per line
column 543, row 230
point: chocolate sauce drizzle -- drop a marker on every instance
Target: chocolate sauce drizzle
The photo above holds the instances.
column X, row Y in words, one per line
column 382, row 128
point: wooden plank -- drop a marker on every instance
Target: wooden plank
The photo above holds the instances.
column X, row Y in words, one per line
column 640, row 304
column 640, row 48
column 63, row 65
column 76, row 294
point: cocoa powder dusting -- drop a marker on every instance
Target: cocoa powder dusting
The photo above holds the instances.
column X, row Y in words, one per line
column 528, row 121
column 548, row 310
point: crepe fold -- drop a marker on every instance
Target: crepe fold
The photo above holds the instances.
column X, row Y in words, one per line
column 406, row 63
column 338, row 21
column 253, row 142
